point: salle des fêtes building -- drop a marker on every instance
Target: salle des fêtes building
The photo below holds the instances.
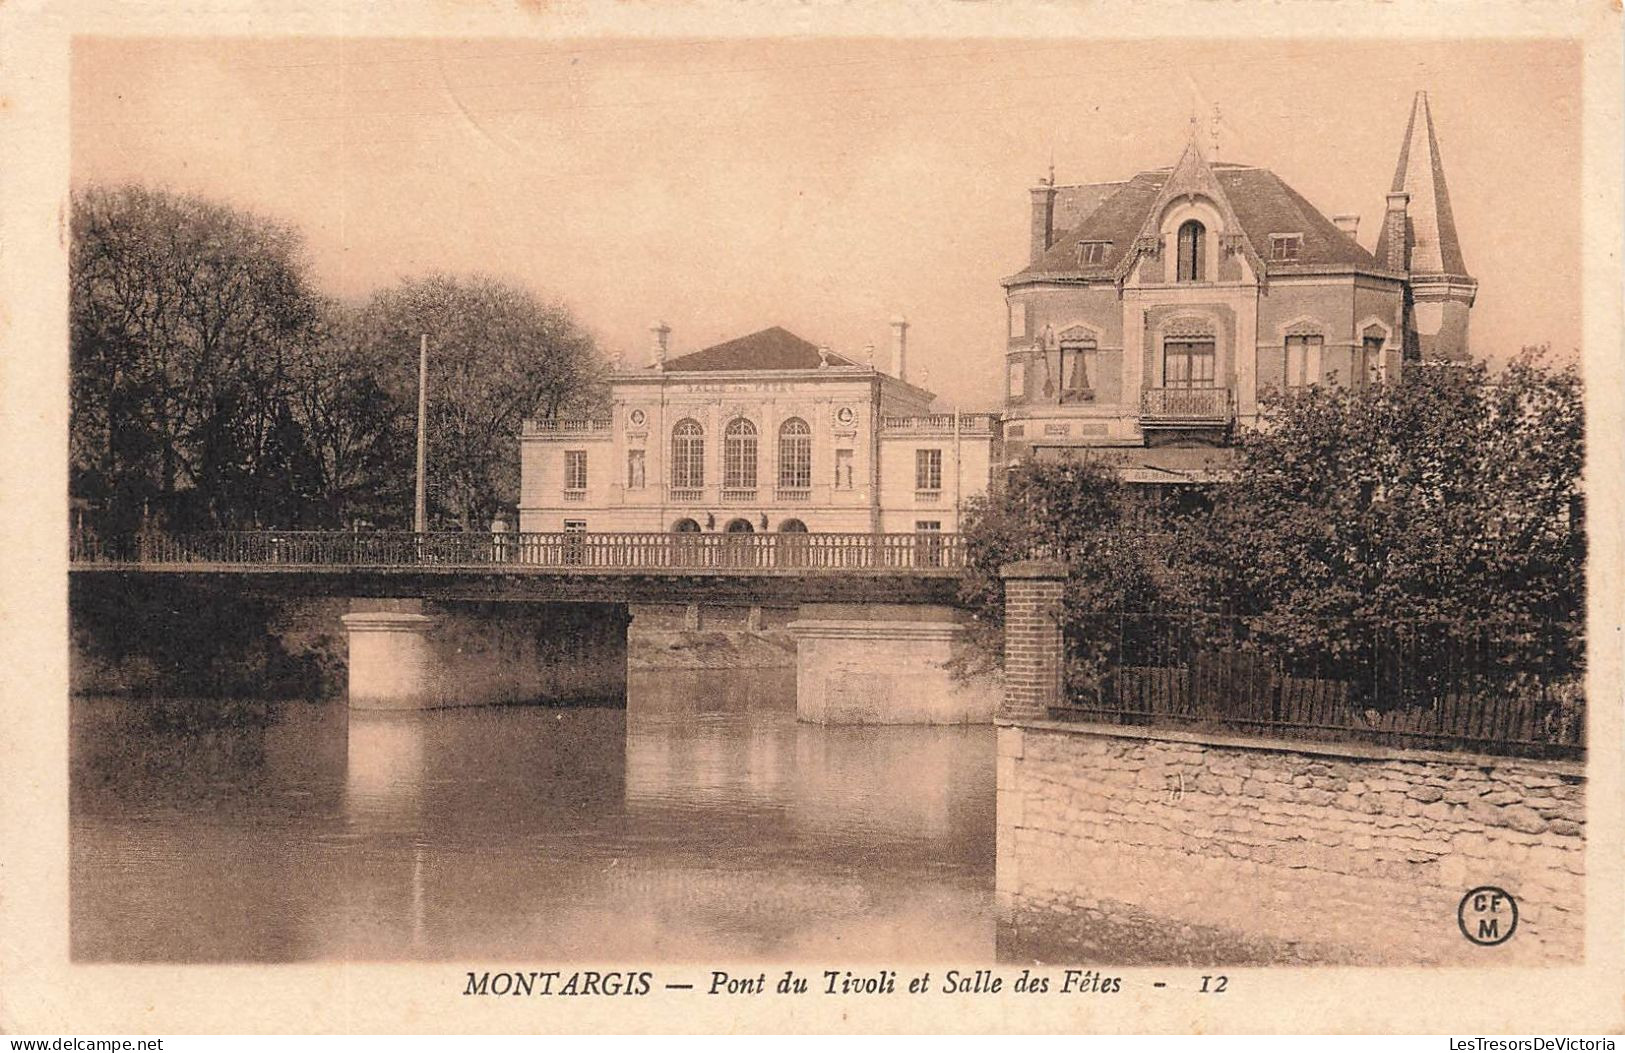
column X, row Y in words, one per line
column 764, row 433
column 1153, row 317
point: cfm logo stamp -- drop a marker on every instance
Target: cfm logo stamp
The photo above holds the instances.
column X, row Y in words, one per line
column 1488, row 915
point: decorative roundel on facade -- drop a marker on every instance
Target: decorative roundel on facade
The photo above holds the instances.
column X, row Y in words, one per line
column 637, row 418
column 846, row 416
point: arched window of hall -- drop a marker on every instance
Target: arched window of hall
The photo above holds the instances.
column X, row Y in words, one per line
column 739, row 455
column 687, row 455
column 795, row 455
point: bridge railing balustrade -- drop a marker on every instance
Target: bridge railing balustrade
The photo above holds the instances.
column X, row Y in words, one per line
column 564, row 551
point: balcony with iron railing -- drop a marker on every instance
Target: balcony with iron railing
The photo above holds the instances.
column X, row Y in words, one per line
column 1186, row 408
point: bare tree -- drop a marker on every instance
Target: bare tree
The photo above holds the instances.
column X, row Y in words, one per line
column 187, row 316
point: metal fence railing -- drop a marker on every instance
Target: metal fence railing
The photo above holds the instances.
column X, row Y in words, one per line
column 1186, row 404
column 924, row 553
column 1514, row 689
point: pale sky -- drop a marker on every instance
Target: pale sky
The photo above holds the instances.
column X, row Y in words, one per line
column 821, row 185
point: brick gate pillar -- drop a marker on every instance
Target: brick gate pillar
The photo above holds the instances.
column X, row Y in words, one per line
column 1033, row 649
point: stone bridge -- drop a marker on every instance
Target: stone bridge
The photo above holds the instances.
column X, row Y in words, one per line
column 875, row 622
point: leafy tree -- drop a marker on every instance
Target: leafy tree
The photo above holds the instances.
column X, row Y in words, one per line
column 1450, row 497
column 185, row 314
column 1074, row 512
column 1433, row 521
column 497, row 356
column 358, row 437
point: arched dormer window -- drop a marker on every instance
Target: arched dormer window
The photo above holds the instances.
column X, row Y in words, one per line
column 739, row 455
column 687, row 455
column 1192, row 248
column 795, row 455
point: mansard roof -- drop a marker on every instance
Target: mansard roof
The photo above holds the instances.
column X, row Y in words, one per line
column 1435, row 247
column 772, row 348
column 1261, row 202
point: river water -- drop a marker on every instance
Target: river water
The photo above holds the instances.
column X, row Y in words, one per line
column 701, row 822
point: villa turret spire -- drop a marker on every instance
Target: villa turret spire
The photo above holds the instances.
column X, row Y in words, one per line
column 1420, row 240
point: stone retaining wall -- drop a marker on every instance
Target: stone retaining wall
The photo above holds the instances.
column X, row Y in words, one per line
column 671, row 636
column 1132, row 846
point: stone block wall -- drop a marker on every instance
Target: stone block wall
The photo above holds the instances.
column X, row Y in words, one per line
column 886, row 665
column 1131, row 846
column 492, row 653
column 670, row 636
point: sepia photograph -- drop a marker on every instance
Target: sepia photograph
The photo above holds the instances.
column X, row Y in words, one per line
column 720, row 516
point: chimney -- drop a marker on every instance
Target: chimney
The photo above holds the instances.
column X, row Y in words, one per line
column 1348, row 223
column 1043, row 217
column 899, row 347
column 1397, row 228
column 662, row 343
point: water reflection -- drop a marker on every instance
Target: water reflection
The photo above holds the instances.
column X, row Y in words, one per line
column 702, row 821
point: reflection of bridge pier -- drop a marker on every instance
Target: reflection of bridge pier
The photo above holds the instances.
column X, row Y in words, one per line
column 719, row 744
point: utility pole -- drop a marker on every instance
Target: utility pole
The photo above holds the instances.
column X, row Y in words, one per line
column 420, row 508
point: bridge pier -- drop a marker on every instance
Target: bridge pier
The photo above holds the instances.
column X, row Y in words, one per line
column 885, row 664
column 391, row 661
column 408, row 655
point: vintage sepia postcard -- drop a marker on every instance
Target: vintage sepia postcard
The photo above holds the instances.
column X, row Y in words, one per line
column 811, row 518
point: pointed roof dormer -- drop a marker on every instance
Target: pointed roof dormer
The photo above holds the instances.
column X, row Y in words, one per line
column 1192, row 177
column 1434, row 246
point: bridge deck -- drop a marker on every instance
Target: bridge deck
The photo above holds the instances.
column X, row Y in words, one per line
column 902, row 568
column 270, row 552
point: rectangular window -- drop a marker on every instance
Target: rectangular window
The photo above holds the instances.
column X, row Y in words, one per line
column 1018, row 319
column 1188, row 364
column 1093, row 253
column 575, row 469
column 1303, row 361
column 1373, row 364
column 843, row 469
column 1018, row 380
column 928, row 469
column 928, row 544
column 634, row 469
column 1077, row 368
column 1284, row 248
column 575, row 545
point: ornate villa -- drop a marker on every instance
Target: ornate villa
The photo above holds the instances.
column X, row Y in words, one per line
column 1154, row 313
